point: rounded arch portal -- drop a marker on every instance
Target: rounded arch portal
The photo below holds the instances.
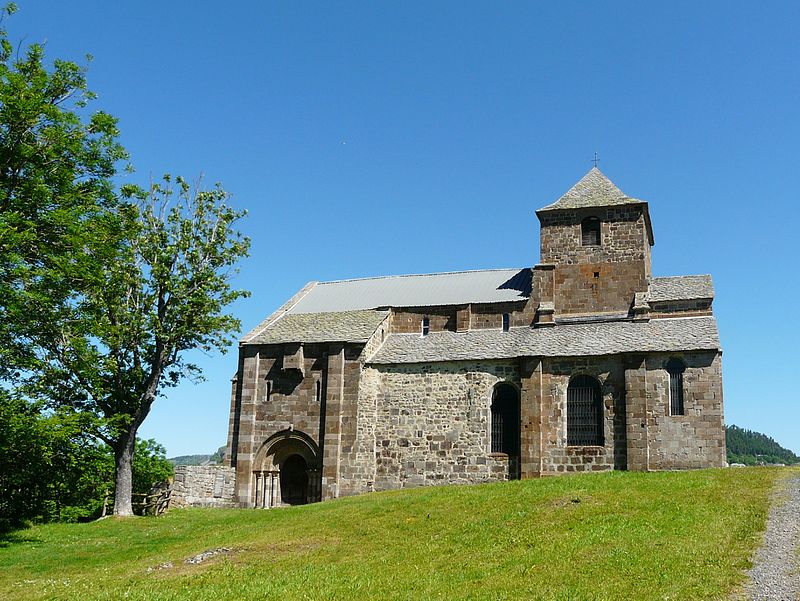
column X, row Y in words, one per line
column 287, row 470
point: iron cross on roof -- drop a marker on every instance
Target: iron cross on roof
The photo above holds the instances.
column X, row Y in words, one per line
column 595, row 160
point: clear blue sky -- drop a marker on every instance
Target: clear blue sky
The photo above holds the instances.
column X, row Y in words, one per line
column 385, row 138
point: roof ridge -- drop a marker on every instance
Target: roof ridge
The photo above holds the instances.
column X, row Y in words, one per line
column 686, row 275
column 417, row 275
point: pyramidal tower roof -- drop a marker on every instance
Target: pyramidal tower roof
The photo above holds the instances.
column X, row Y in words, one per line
column 593, row 190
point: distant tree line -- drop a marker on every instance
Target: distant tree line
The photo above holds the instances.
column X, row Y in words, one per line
column 754, row 448
column 214, row 458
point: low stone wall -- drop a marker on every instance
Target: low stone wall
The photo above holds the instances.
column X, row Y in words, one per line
column 203, row 486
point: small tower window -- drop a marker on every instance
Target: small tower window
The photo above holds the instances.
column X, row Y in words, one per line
column 426, row 325
column 506, row 321
column 318, row 395
column 590, row 231
column 675, row 369
column 269, row 391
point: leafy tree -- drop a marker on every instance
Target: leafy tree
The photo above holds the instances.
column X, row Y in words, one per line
column 150, row 465
column 56, row 165
column 158, row 291
column 52, row 469
column 23, row 462
column 101, row 293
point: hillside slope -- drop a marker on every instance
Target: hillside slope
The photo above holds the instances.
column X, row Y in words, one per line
column 754, row 448
column 214, row 458
column 676, row 535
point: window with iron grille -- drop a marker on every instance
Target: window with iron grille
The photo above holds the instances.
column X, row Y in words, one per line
column 426, row 325
column 590, row 231
column 584, row 412
column 675, row 369
column 506, row 321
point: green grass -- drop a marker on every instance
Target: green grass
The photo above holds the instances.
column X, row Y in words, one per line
column 597, row 536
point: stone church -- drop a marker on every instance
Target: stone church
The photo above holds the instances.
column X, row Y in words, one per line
column 584, row 362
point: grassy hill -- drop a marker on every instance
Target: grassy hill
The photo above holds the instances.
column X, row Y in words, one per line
column 620, row 535
column 754, row 448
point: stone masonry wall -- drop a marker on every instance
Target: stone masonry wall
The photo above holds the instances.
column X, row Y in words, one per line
column 358, row 461
column 321, row 404
column 490, row 315
column 409, row 321
column 557, row 456
column 603, row 278
column 432, row 422
column 623, row 236
column 697, row 438
column 203, row 486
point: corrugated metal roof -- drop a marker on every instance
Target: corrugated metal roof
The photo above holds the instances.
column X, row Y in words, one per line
column 455, row 288
column 657, row 335
column 593, row 190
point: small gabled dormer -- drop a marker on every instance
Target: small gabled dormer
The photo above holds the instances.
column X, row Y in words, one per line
column 597, row 239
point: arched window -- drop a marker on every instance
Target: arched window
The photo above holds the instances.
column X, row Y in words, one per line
column 590, row 231
column 506, row 426
column 426, row 325
column 584, row 412
column 675, row 369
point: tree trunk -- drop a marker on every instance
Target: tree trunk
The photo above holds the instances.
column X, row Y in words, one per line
column 123, row 467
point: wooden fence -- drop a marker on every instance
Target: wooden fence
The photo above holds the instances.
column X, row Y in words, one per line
column 153, row 503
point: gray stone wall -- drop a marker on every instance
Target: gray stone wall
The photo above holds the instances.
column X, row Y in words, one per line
column 557, row 456
column 203, row 486
column 318, row 400
column 432, row 422
column 697, row 438
column 623, row 236
column 478, row 316
column 596, row 279
column 357, row 473
column 490, row 316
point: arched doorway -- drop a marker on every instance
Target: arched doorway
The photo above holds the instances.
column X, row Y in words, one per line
column 294, row 480
column 506, row 426
column 287, row 471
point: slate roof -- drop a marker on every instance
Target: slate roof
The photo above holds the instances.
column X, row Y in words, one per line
column 593, row 190
column 683, row 334
column 454, row 288
column 346, row 326
column 684, row 287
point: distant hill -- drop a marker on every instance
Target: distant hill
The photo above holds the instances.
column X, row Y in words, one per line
column 212, row 459
column 754, row 448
